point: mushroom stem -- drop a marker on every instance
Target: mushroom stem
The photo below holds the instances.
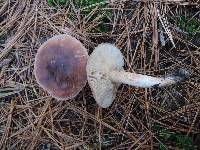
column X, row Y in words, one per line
column 145, row 81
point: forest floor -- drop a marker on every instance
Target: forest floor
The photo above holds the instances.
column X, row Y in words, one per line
column 155, row 37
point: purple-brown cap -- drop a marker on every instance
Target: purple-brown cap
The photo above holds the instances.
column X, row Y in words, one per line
column 60, row 66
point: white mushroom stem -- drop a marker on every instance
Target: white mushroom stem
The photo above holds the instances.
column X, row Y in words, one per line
column 143, row 81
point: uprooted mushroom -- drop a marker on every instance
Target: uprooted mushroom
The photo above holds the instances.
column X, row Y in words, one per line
column 105, row 73
column 60, row 66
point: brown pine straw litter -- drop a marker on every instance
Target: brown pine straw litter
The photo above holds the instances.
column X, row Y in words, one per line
column 31, row 119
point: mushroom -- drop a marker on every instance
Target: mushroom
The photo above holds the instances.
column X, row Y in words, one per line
column 60, row 66
column 105, row 73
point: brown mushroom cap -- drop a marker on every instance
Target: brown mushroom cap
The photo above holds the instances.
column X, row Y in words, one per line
column 60, row 66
